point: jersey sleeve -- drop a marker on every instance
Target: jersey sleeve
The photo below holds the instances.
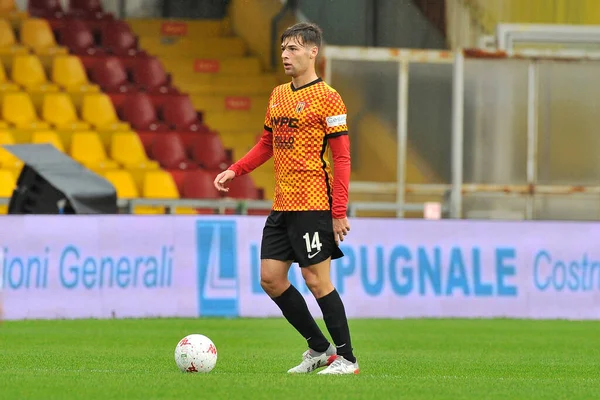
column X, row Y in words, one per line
column 334, row 116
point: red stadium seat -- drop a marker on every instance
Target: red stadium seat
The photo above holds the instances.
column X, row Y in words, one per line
column 110, row 75
column 48, row 9
column 242, row 187
column 179, row 177
column 77, row 36
column 149, row 75
column 208, row 151
column 138, row 110
column 198, row 184
column 147, row 138
column 88, row 9
column 169, row 151
column 180, row 114
column 118, row 39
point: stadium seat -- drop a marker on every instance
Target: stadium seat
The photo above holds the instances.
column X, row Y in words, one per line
column 48, row 9
column 198, row 184
column 7, row 159
column 242, row 187
column 98, row 110
column 147, row 138
column 139, row 111
column 169, row 151
column 9, row 46
column 157, row 184
column 59, row 111
column 207, row 150
column 110, row 74
column 7, row 6
column 88, row 9
column 77, row 36
column 48, row 137
column 123, row 183
column 118, row 39
column 87, row 148
column 8, row 182
column 28, row 71
column 69, row 74
column 150, row 76
column 9, row 11
column 5, row 85
column 127, row 149
column 180, row 114
column 37, row 34
column 19, row 111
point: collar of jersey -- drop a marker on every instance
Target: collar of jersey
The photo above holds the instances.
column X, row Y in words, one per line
column 305, row 86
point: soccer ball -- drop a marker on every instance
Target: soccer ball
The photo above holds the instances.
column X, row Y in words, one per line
column 195, row 353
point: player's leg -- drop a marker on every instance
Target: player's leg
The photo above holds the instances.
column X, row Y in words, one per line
column 315, row 247
column 318, row 280
column 276, row 259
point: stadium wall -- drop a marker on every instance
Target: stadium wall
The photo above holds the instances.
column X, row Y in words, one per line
column 166, row 266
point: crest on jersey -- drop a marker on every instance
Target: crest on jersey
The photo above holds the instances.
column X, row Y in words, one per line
column 300, row 106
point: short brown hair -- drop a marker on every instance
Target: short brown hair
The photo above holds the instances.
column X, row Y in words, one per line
column 307, row 31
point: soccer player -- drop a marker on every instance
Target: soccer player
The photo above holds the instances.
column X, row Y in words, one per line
column 304, row 119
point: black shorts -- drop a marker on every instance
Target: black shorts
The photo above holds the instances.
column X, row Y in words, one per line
column 305, row 237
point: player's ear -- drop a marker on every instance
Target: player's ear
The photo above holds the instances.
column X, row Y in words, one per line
column 314, row 51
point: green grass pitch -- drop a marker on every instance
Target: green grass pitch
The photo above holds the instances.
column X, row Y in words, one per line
column 399, row 359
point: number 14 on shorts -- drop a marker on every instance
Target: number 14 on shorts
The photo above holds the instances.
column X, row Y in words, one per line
column 313, row 246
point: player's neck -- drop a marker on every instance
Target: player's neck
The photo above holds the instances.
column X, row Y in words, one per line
column 304, row 79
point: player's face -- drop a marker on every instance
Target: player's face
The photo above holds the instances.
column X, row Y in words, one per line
column 297, row 58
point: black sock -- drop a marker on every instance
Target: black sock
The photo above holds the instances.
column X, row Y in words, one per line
column 295, row 310
column 334, row 315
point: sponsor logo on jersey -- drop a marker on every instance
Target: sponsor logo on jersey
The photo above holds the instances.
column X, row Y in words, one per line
column 336, row 120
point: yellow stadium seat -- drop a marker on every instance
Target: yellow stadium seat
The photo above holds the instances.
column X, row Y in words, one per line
column 59, row 111
column 5, row 85
column 8, row 42
column 98, row 110
column 8, row 182
column 9, row 11
column 87, row 148
column 18, row 110
column 7, row 159
column 159, row 184
column 28, row 71
column 123, row 183
column 69, row 73
column 127, row 149
column 22, row 136
column 48, row 137
column 7, row 6
column 37, row 34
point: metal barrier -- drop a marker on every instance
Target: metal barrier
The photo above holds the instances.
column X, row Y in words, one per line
column 522, row 127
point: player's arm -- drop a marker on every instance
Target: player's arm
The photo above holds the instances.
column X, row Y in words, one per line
column 336, row 133
column 257, row 156
column 340, row 151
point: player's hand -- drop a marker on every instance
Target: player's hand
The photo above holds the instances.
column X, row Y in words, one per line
column 222, row 179
column 341, row 227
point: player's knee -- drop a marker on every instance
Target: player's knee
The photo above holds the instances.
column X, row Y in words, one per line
column 318, row 286
column 273, row 284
